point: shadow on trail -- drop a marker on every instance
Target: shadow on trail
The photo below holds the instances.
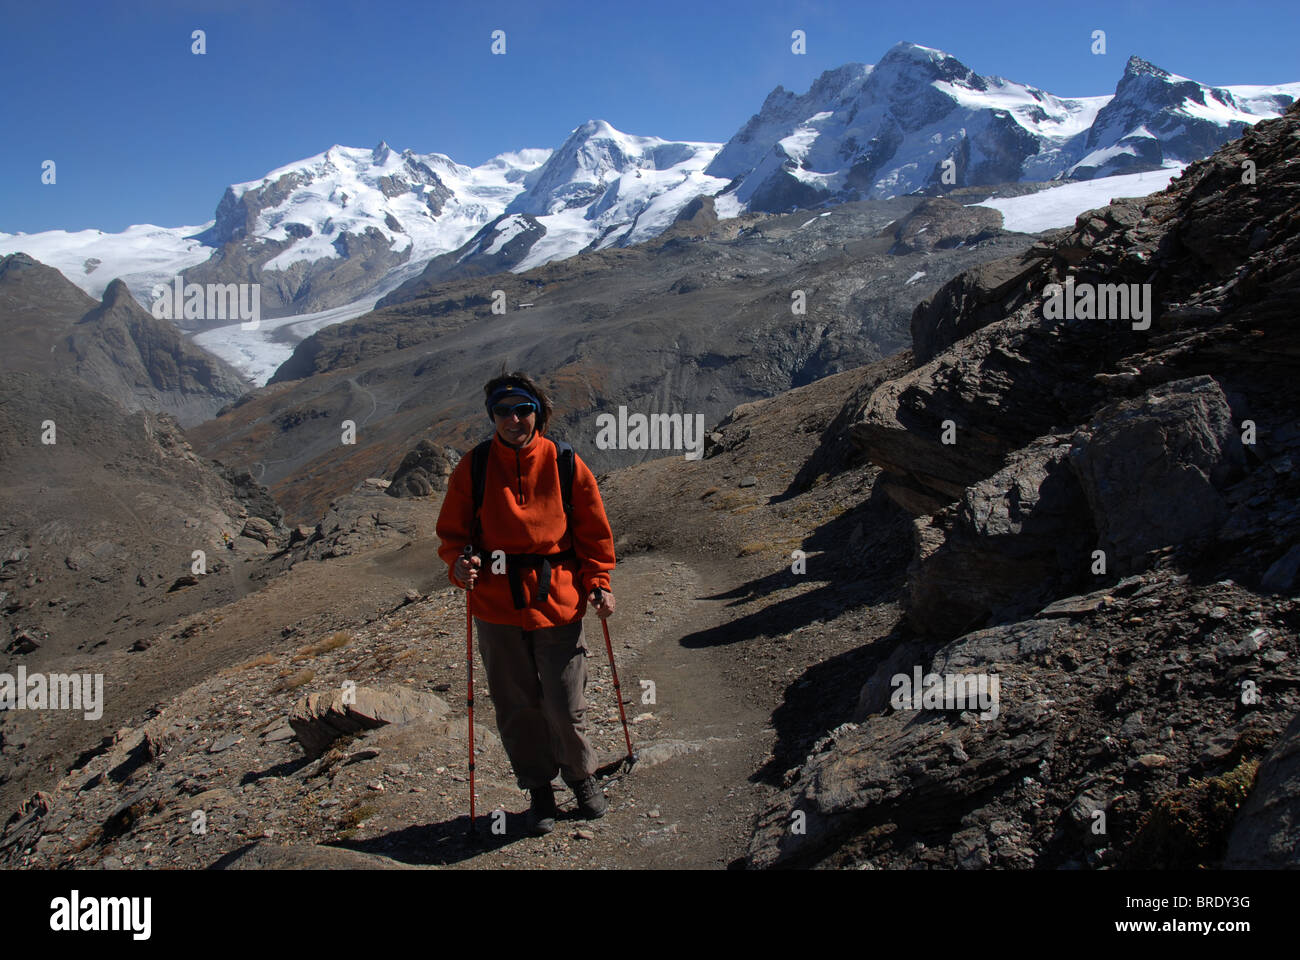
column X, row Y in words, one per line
column 861, row 558
column 820, row 699
column 857, row 568
column 448, row 842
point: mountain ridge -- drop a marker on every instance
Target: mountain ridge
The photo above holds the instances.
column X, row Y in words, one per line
column 383, row 218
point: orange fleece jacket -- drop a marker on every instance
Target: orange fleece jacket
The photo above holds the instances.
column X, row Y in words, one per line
column 523, row 512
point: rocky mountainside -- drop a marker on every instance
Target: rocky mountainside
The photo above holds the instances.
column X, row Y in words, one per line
column 1106, row 519
column 693, row 323
column 110, row 527
column 115, row 346
column 102, row 511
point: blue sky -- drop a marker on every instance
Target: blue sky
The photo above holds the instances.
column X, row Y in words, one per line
column 144, row 131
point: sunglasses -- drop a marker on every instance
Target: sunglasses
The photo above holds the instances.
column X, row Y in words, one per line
column 521, row 409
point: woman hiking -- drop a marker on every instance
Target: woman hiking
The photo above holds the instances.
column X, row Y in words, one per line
column 534, row 568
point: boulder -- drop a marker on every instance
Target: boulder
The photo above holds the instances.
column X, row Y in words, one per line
column 423, row 470
column 1151, row 468
column 258, row 529
column 321, row 718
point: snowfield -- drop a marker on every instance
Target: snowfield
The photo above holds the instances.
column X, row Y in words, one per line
column 1059, row 206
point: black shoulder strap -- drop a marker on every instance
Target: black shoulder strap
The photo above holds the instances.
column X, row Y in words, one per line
column 478, row 477
column 564, row 462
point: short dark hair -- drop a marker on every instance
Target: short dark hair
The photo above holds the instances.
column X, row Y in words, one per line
column 520, row 379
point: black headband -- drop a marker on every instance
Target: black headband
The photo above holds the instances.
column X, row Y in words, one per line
column 500, row 393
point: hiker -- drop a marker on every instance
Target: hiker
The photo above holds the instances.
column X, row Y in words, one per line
column 528, row 607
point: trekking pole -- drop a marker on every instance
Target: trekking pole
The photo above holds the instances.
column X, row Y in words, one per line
column 469, row 663
column 618, row 692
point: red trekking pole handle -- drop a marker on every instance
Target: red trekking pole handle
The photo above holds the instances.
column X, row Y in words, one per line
column 469, row 665
column 618, row 691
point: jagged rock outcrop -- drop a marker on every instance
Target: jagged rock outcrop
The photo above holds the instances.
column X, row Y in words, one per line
column 257, row 499
column 1142, row 475
column 1152, row 468
column 1013, row 541
column 973, row 299
column 1106, row 705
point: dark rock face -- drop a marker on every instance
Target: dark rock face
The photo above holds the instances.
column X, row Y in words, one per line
column 1152, row 468
column 1086, row 701
column 1266, row 835
column 1171, row 449
column 1014, row 541
column 972, row 299
column 256, row 498
column 700, row 214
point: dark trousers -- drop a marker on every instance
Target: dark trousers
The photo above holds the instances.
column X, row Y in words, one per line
column 537, row 679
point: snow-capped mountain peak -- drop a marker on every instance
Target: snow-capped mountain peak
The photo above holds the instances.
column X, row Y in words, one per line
column 591, row 158
column 1158, row 118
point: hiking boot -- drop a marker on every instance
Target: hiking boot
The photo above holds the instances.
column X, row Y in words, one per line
column 591, row 799
column 542, row 811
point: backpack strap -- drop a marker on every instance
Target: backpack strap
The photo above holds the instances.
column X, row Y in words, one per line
column 565, row 464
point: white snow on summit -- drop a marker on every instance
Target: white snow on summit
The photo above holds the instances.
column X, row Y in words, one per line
column 344, row 192
column 607, row 187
